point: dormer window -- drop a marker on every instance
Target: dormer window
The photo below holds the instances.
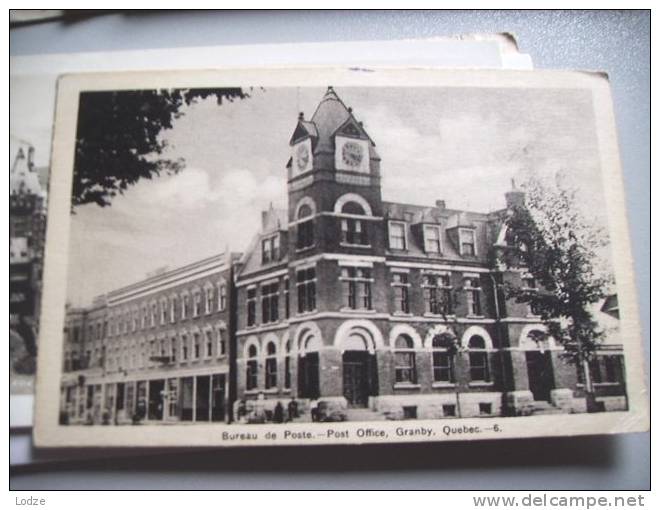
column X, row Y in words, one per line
column 270, row 249
column 397, row 235
column 467, row 240
column 432, row 240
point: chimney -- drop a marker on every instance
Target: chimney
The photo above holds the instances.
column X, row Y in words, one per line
column 515, row 197
column 30, row 158
column 264, row 219
column 440, row 204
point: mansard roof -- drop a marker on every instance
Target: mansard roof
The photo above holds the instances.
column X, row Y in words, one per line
column 485, row 226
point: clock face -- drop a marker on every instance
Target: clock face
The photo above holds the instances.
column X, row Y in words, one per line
column 302, row 157
column 352, row 154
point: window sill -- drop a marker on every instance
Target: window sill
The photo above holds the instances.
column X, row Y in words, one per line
column 449, row 317
column 475, row 316
column 350, row 245
column 306, row 248
column 406, row 386
column 443, row 385
column 270, row 391
column 480, row 384
column 402, row 314
column 357, row 310
column 306, row 313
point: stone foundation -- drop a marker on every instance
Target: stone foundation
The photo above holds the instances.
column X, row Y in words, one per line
column 520, row 403
column 562, row 398
column 436, row 406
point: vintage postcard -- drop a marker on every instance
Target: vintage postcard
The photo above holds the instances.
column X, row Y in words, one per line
column 308, row 256
column 32, row 85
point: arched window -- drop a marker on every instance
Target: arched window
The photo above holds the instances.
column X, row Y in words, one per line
column 271, row 365
column 443, row 359
column 305, row 228
column 404, row 360
column 287, row 365
column 353, row 230
column 478, row 359
column 251, row 369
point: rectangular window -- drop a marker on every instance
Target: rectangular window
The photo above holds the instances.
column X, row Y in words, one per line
column 173, row 307
column 443, row 371
column 222, row 348
column 287, row 303
column 305, row 235
column 432, row 243
column 184, row 347
column 173, row 349
column 594, row 370
column 208, row 352
column 612, row 369
column 479, row 366
column 222, row 297
column 400, row 284
column 353, row 232
column 208, row 300
column 163, row 312
column 154, row 315
column 473, row 295
column 405, row 367
column 397, row 235
column 306, row 285
column 251, row 374
column 356, row 282
column 197, row 346
column 467, row 242
column 197, row 304
column 270, row 249
column 269, row 302
column 185, row 304
column 271, row 372
column 437, row 294
column 251, row 306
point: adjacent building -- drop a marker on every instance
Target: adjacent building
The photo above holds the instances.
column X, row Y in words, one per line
column 344, row 306
column 155, row 351
column 27, row 229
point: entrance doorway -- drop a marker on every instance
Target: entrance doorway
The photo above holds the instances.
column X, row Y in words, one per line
column 156, row 394
column 202, row 398
column 218, row 398
column 308, row 375
column 356, row 378
column 540, row 374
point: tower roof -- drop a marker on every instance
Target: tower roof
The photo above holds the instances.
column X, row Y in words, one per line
column 330, row 116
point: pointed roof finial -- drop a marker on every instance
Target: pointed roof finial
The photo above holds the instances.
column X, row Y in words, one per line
column 301, row 116
column 513, row 184
column 330, row 89
column 350, row 109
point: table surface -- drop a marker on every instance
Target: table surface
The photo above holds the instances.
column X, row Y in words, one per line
column 616, row 42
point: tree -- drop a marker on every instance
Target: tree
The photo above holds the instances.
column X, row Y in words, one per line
column 550, row 238
column 119, row 141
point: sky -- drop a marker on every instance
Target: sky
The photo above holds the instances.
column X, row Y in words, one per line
column 462, row 145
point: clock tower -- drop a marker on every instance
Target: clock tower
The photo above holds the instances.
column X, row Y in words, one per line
column 331, row 156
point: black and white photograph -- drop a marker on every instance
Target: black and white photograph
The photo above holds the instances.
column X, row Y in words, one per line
column 272, row 257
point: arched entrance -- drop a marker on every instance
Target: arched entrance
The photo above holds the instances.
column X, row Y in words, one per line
column 357, row 341
column 309, row 343
column 537, row 346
